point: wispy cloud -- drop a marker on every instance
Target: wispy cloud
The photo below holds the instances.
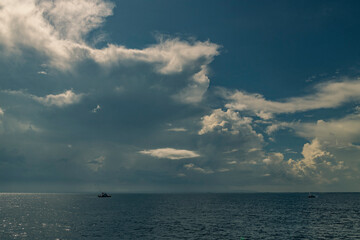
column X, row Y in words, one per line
column 337, row 132
column 191, row 166
column 326, row 95
column 170, row 153
column 60, row 100
column 176, row 129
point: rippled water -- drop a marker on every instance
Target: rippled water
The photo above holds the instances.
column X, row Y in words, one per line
column 180, row 216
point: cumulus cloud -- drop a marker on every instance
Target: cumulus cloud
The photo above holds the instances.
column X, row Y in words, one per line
column 170, row 153
column 315, row 163
column 326, row 95
column 1, row 111
column 224, row 121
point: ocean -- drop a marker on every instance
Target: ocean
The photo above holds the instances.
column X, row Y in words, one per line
column 180, row 216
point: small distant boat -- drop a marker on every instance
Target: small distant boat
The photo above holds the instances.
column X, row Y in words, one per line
column 311, row 196
column 104, row 195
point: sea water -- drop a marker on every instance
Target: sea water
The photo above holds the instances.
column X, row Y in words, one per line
column 180, row 216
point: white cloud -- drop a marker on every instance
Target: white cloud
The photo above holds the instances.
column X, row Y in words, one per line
column 264, row 115
column 277, row 126
column 177, row 130
column 197, row 87
column 326, row 95
column 336, row 132
column 96, row 109
column 60, row 100
column 333, row 148
column 191, row 166
column 232, row 151
column 1, row 111
column 42, row 72
column 170, row 56
column 253, row 150
column 170, row 153
column 312, row 151
column 58, row 29
column 316, row 164
column 27, row 24
column 232, row 162
column 221, row 121
column 313, row 157
column 289, row 150
column 73, row 20
column 274, row 158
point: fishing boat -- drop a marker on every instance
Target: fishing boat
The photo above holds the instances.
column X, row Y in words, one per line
column 104, row 195
column 311, row 196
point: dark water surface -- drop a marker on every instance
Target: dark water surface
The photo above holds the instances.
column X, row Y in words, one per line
column 180, row 216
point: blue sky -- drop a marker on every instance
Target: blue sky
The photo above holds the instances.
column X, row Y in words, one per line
column 174, row 96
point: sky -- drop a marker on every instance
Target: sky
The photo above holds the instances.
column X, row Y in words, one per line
column 179, row 96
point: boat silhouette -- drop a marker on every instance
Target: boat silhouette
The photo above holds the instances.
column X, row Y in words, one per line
column 104, row 195
column 311, row 196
